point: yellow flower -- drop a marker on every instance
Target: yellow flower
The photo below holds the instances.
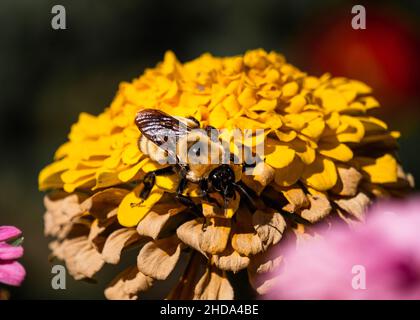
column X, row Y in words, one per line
column 324, row 154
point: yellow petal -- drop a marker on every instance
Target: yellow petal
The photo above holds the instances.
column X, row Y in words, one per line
column 271, row 120
column 50, row 176
column 151, row 166
column 218, row 117
column 314, row 128
column 373, row 124
column 131, row 172
column 288, row 175
column 338, row 151
column 106, row 178
column 113, row 160
column 168, row 183
column 133, row 209
column 231, row 105
column 321, row 174
column 380, row 170
column 311, row 83
column 286, row 136
column 131, row 154
column 290, row 89
column 82, row 183
column 296, row 104
column 295, row 121
column 302, row 148
column 332, row 100
column 247, row 98
column 246, row 123
column 354, row 85
column 354, row 132
column 369, row 102
column 279, row 156
column 71, row 176
column 333, row 121
column 265, row 105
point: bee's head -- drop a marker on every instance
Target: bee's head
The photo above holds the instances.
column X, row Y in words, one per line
column 222, row 180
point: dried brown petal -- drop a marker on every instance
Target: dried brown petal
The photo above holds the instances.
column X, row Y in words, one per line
column 348, row 182
column 116, row 242
column 213, row 285
column 195, row 269
column 262, row 176
column 161, row 217
column 263, row 270
column 319, row 209
column 212, row 210
column 60, row 214
column 355, row 206
column 297, row 199
column 406, row 177
column 190, row 233
column 303, row 236
column 245, row 239
column 404, row 183
column 99, row 226
column 269, row 226
column 158, row 258
column 82, row 259
column 128, row 284
column 247, row 243
column 215, row 237
column 230, row 260
column 102, row 202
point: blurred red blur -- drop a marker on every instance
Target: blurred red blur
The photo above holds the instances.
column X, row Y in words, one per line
column 384, row 55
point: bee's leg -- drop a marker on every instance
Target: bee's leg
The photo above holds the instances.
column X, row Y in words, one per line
column 148, row 183
column 204, row 187
column 150, row 179
column 185, row 200
column 246, row 193
column 204, row 225
column 226, row 198
column 292, row 216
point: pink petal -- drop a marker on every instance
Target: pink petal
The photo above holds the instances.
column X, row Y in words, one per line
column 9, row 232
column 9, row 252
column 12, row 273
column 386, row 248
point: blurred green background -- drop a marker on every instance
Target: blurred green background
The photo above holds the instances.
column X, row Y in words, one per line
column 47, row 77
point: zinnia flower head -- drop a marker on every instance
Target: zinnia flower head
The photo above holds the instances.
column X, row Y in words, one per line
column 11, row 272
column 324, row 156
column 376, row 260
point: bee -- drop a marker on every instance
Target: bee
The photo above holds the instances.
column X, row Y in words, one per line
column 171, row 139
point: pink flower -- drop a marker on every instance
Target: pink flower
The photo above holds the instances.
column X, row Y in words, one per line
column 11, row 272
column 376, row 260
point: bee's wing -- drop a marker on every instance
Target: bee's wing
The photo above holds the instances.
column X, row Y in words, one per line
column 161, row 128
